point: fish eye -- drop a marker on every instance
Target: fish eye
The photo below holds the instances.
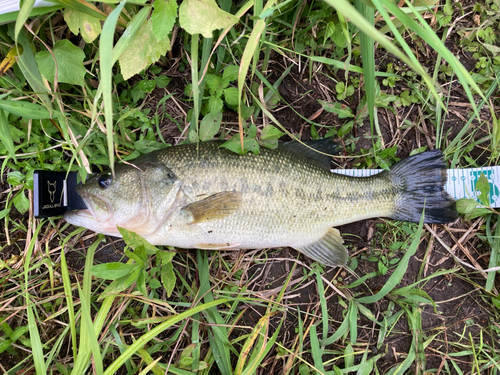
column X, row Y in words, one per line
column 104, row 181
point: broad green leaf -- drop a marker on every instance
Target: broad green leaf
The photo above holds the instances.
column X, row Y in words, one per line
column 252, row 131
column 142, row 51
column 79, row 22
column 4, row 213
column 154, row 284
column 346, row 128
column 483, row 186
column 204, row 16
column 147, row 85
column 213, row 82
column 234, row 144
column 112, row 271
column 168, row 277
column 162, row 81
column 165, row 256
column 466, row 206
column 134, row 240
column 231, row 95
column 231, row 73
column 15, row 178
column 25, row 109
column 141, row 283
column 163, row 17
column 339, row 109
column 271, row 132
column 122, row 283
column 21, row 202
column 210, row 126
column 69, row 59
column 145, row 146
column 215, row 104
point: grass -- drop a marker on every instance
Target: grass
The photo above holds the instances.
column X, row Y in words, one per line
column 413, row 298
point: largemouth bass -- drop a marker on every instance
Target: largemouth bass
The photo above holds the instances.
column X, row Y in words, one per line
column 203, row 196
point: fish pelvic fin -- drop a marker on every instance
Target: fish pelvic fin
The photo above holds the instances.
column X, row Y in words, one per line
column 214, row 207
column 328, row 250
column 421, row 179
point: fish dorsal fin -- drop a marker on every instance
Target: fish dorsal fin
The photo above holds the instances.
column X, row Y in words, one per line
column 214, row 207
column 309, row 149
column 328, row 250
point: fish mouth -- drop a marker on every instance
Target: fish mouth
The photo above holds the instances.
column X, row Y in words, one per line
column 94, row 202
column 96, row 216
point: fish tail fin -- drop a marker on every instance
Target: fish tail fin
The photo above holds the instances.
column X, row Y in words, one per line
column 420, row 179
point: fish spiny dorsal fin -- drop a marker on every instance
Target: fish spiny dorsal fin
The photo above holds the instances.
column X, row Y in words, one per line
column 328, row 250
column 309, row 149
column 214, row 207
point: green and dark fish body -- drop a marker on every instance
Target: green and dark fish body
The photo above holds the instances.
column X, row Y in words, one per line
column 204, row 196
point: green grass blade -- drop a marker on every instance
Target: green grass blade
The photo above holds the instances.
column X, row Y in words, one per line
column 5, row 136
column 144, row 339
column 193, row 127
column 29, row 68
column 83, row 7
column 400, row 270
column 322, row 300
column 36, row 342
column 368, row 59
column 218, row 335
column 87, row 336
column 348, row 11
column 494, row 242
column 106, row 61
column 455, row 143
column 424, row 31
column 68, row 292
column 339, row 332
column 264, row 350
column 24, row 12
column 353, row 321
column 250, row 48
column 89, row 332
column 316, row 351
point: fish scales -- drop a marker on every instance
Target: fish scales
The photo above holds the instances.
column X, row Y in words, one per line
column 205, row 196
column 285, row 199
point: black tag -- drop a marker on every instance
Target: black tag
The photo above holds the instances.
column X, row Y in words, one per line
column 53, row 194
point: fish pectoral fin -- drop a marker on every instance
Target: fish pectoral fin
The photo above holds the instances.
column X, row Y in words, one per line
column 328, row 250
column 215, row 207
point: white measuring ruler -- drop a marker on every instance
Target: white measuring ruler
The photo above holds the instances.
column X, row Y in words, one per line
column 461, row 182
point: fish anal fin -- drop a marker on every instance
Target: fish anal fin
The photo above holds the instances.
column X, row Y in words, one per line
column 214, row 207
column 328, row 250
